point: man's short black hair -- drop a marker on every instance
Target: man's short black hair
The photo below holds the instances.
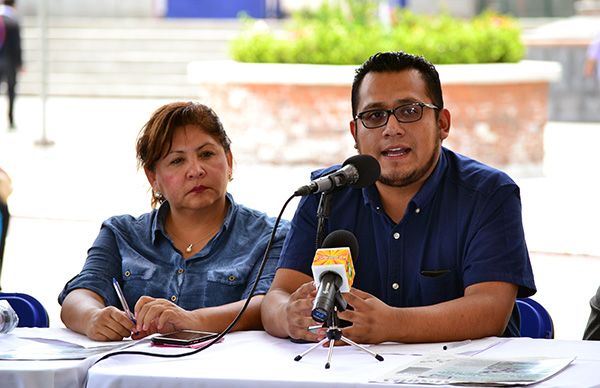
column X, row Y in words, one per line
column 398, row 61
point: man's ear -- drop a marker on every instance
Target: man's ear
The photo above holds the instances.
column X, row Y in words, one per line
column 353, row 132
column 444, row 122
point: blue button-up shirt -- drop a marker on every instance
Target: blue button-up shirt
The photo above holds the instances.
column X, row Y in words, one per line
column 140, row 255
column 463, row 227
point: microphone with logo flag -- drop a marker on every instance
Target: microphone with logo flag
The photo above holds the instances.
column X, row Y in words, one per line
column 333, row 272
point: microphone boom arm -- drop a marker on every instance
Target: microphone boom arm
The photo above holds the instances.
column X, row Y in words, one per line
column 323, row 212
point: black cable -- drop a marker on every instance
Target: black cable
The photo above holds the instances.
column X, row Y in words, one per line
column 235, row 320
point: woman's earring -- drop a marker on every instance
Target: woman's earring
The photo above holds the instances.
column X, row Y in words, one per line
column 229, row 176
column 158, row 195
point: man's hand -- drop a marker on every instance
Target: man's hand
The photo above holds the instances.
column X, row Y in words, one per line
column 369, row 318
column 298, row 312
column 286, row 308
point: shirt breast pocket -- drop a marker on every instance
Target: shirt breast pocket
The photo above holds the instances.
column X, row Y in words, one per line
column 437, row 285
column 138, row 276
column 226, row 285
column 138, row 268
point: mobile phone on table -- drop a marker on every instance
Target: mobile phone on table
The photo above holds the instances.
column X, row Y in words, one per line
column 183, row 337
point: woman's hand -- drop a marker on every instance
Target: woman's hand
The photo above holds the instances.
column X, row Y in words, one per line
column 108, row 324
column 160, row 316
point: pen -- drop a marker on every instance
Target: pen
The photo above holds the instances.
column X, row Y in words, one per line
column 123, row 301
column 453, row 345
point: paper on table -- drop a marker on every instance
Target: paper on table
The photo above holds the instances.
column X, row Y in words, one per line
column 467, row 347
column 53, row 344
column 64, row 335
column 446, row 368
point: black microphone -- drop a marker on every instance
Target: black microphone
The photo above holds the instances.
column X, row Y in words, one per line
column 334, row 272
column 357, row 171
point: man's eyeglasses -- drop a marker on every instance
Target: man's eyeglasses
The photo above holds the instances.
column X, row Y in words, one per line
column 406, row 113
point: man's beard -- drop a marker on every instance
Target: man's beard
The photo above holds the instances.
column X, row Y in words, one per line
column 410, row 177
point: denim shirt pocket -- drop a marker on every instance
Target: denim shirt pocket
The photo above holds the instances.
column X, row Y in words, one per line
column 437, row 285
column 226, row 285
column 138, row 277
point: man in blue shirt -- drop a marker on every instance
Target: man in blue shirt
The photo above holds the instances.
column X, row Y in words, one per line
column 442, row 254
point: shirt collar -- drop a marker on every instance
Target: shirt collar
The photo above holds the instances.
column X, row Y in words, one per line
column 429, row 188
column 158, row 224
column 423, row 196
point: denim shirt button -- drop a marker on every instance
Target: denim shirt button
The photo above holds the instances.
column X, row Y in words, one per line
column 231, row 278
column 173, row 298
column 180, row 270
column 127, row 274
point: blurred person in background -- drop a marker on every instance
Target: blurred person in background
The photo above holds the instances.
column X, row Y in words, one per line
column 592, row 330
column 5, row 190
column 11, row 60
column 592, row 59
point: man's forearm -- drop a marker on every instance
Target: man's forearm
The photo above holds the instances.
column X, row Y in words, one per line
column 475, row 315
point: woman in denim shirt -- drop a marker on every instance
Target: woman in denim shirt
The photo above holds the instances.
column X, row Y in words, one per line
column 188, row 264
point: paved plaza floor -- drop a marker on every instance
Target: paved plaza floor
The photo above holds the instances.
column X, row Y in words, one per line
column 64, row 191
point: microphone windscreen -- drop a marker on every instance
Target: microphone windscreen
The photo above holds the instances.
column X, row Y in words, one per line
column 368, row 170
column 342, row 238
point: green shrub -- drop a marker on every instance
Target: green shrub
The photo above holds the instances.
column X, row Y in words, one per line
column 348, row 32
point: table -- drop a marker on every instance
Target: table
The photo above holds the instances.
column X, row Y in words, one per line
column 70, row 373
column 256, row 359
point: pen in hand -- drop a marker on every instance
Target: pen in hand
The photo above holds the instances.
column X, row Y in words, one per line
column 123, row 301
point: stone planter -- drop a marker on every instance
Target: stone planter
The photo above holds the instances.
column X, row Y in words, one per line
column 281, row 113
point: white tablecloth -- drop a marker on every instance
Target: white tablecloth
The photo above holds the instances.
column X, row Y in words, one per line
column 255, row 359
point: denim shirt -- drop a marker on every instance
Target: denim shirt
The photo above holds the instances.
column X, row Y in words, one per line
column 141, row 256
column 463, row 227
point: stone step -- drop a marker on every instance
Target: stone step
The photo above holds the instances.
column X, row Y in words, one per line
column 110, row 67
column 145, row 90
column 121, row 57
column 85, row 46
column 131, row 56
column 112, row 85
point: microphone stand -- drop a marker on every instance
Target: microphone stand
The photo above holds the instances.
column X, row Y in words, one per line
column 322, row 214
column 334, row 333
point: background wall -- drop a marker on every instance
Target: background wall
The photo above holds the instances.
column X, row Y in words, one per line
column 573, row 97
